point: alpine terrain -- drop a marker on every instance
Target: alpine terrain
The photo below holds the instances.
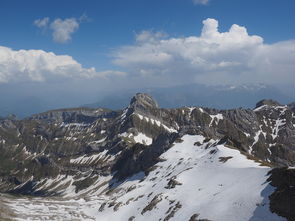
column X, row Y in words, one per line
column 149, row 163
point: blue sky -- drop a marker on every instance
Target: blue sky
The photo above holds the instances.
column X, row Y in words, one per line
column 71, row 52
column 113, row 22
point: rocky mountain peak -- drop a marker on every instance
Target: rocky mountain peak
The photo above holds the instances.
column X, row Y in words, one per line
column 268, row 102
column 143, row 102
column 84, row 153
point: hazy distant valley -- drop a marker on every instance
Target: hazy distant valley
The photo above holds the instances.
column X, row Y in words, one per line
column 23, row 103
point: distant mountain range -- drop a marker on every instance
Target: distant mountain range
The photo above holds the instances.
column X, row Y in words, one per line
column 221, row 97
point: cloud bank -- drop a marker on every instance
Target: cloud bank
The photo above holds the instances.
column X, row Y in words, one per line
column 213, row 57
column 41, row 66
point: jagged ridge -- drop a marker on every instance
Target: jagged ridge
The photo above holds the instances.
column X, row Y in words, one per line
column 80, row 150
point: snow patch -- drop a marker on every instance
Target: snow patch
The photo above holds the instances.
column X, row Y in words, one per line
column 275, row 131
column 156, row 122
column 139, row 138
column 215, row 118
column 143, row 139
column 260, row 108
column 89, row 159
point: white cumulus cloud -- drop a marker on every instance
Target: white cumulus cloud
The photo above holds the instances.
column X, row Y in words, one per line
column 40, row 66
column 62, row 29
column 200, row 2
column 146, row 35
column 41, row 23
column 213, row 57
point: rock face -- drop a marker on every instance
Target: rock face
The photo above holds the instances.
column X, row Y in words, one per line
column 143, row 102
column 268, row 103
column 79, row 149
column 282, row 201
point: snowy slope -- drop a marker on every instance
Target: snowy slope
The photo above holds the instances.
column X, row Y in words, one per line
column 211, row 184
column 196, row 178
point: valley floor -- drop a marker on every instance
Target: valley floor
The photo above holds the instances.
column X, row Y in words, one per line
column 49, row 208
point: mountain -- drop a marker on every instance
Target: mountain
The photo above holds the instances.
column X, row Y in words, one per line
column 26, row 99
column 23, row 100
column 218, row 96
column 150, row 163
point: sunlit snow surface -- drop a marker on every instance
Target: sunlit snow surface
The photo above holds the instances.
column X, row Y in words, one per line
column 214, row 181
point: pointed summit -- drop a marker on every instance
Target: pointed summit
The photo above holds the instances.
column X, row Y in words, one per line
column 268, row 102
column 143, row 102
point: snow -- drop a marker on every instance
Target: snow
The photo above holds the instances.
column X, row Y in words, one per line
column 89, row 159
column 279, row 123
column 102, row 131
column 169, row 129
column 217, row 182
column 28, row 153
column 247, row 134
column 99, row 141
column 256, row 138
column 63, row 124
column 140, row 116
column 190, row 110
column 209, row 187
column 55, row 183
column 139, row 138
column 282, row 109
column 70, row 138
column 24, row 183
column 156, row 122
column 265, row 121
column 125, row 134
column 260, row 108
column 143, row 139
column 123, row 115
column 215, row 118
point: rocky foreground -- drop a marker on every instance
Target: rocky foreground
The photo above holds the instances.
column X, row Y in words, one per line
column 148, row 163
